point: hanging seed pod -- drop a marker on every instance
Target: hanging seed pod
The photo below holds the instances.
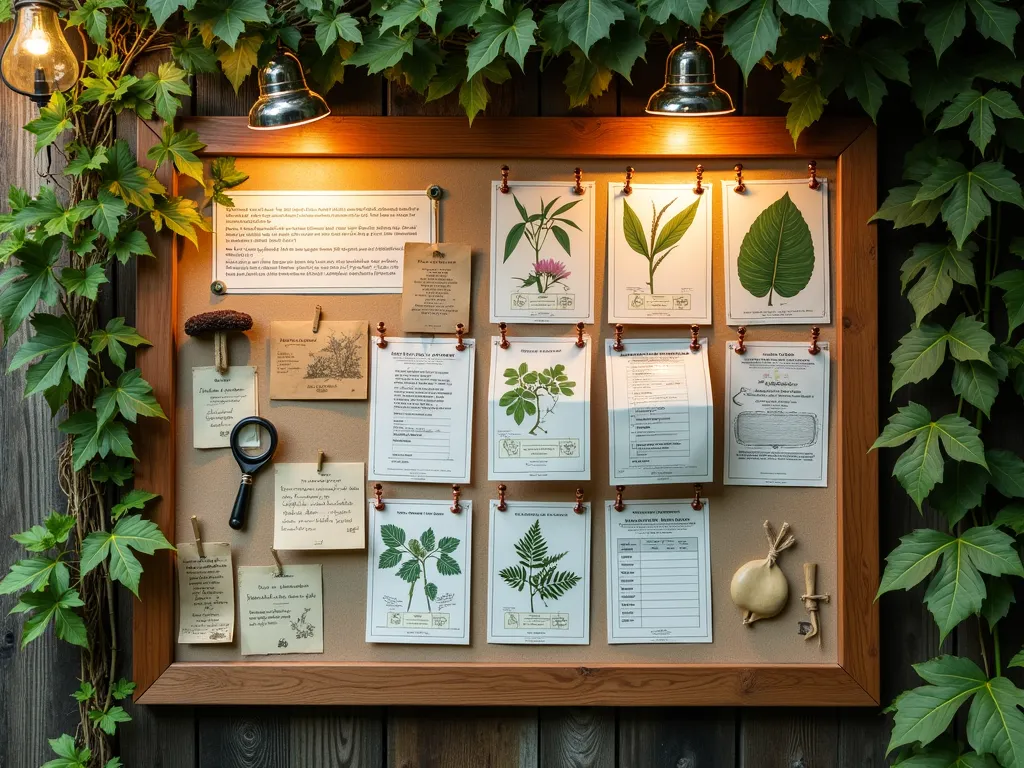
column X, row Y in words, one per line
column 759, row 587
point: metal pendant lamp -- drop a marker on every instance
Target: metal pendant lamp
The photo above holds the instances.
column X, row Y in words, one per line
column 37, row 60
column 690, row 89
column 285, row 99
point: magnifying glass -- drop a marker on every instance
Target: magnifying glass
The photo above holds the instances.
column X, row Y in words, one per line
column 249, row 464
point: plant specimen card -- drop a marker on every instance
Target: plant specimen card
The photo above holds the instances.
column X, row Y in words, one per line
column 221, row 400
column 538, row 589
column 435, row 287
column 539, row 408
column 659, row 254
column 418, row 571
column 319, row 510
column 329, row 364
column 287, row 241
column 660, row 408
column 776, row 252
column 658, row 562
column 421, row 411
column 776, row 414
column 206, row 594
column 542, row 252
column 281, row 613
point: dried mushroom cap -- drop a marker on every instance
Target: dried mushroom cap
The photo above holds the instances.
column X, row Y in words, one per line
column 220, row 321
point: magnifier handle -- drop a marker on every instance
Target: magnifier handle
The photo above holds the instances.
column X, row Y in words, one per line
column 237, row 520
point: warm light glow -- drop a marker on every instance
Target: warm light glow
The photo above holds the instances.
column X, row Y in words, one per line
column 289, row 125
column 690, row 114
column 37, row 43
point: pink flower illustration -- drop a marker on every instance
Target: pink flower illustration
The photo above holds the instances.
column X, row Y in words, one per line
column 551, row 269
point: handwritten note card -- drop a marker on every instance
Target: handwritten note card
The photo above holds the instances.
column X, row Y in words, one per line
column 221, row 400
column 206, row 594
column 281, row 614
column 327, row 365
column 435, row 287
column 319, row 510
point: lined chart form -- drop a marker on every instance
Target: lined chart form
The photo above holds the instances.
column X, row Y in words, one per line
column 659, row 417
column 659, row 582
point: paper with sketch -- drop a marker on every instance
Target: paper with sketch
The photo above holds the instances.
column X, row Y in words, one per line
column 435, row 287
column 542, row 252
column 538, row 586
column 319, row 241
column 539, row 425
column 418, row 571
column 327, row 365
column 776, row 252
column 281, row 614
column 658, row 563
column 206, row 594
column 319, row 510
column 776, row 414
column 659, row 254
column 660, row 412
column 221, row 400
column 421, row 411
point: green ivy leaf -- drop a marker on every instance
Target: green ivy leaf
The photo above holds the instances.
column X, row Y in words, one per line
column 460, row 13
column 982, row 109
column 69, row 756
column 226, row 19
column 810, row 9
column 180, row 215
column 85, row 691
column 976, row 383
column 496, row 30
column 939, row 265
column 961, row 490
column 379, row 53
column 31, row 281
column 179, row 147
column 1007, row 470
column 914, row 559
column 1011, row 283
column 806, row 102
column 56, row 603
column 168, row 82
column 106, row 211
column 134, row 499
column 402, row 13
column 162, row 10
column 113, row 338
column 130, row 534
column 967, row 204
column 1012, row 517
column 994, row 21
column 123, row 177
column 33, row 574
column 86, row 159
column 943, row 21
column 752, row 34
column 995, row 723
column 129, row 243
column 56, row 342
column 585, row 79
column 91, row 16
column 107, row 720
column 112, row 471
column 903, row 210
column 624, row 45
column 1017, row 660
column 132, row 396
column 587, row 21
column 239, row 60
column 331, row 28
column 85, row 282
column 473, row 96
column 956, row 592
column 192, row 55
column 689, row 12
column 998, row 599
column 54, row 531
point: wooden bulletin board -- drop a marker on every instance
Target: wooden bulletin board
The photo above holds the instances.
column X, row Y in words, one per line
column 836, row 527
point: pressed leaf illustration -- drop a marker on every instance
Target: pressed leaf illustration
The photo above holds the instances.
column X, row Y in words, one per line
column 524, row 399
column 537, row 570
column 420, row 551
column 777, row 255
column 535, row 228
column 662, row 241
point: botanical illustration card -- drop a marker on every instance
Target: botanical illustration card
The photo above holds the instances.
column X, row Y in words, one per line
column 206, row 593
column 281, row 614
column 327, row 365
column 418, row 572
column 776, row 414
column 221, row 400
column 435, row 287
column 659, row 254
column 542, row 252
column 319, row 510
column 539, row 410
column 776, row 252
column 421, row 411
column 538, row 589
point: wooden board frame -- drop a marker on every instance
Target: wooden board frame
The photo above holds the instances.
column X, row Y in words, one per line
column 853, row 681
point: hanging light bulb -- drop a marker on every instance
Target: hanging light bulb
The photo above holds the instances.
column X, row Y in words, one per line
column 285, row 99
column 690, row 88
column 37, row 60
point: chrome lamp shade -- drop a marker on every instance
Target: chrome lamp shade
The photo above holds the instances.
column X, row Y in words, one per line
column 285, row 99
column 690, row 88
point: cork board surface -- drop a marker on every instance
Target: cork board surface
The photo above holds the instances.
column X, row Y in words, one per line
column 207, row 480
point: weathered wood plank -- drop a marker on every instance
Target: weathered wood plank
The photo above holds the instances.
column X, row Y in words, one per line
column 788, row 738
column 447, row 738
column 247, row 738
column 677, row 738
column 577, row 737
column 336, row 737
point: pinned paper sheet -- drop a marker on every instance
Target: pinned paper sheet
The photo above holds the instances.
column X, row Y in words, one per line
column 281, row 614
column 221, row 400
column 327, row 365
column 206, row 594
column 435, row 287
column 319, row 510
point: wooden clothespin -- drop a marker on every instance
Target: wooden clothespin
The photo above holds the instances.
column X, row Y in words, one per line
column 277, row 561
column 317, row 311
column 319, row 462
column 197, row 536
column 619, row 505
column 811, row 600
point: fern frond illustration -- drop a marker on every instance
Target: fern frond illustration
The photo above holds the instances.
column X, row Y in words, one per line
column 537, row 570
column 421, row 551
column 524, row 399
column 662, row 242
column 341, row 359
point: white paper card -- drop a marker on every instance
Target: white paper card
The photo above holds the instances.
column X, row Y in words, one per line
column 319, row 510
column 539, row 427
column 281, row 614
column 542, row 252
column 769, row 279
column 659, row 274
column 659, row 572
column 289, row 241
column 206, row 593
column 660, row 412
column 776, row 414
column 221, row 400
column 421, row 411
column 538, row 590
column 418, row 572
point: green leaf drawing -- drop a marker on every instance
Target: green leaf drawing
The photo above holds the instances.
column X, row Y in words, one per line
column 528, row 386
column 777, row 255
column 663, row 240
column 537, row 569
column 420, row 551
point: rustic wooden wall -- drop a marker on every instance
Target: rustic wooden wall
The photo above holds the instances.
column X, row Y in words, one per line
column 34, row 684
